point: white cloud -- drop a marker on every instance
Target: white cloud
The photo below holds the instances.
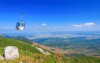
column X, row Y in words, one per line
column 44, row 24
column 78, row 26
column 88, row 24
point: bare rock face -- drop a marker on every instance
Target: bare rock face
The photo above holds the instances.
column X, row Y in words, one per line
column 1, row 57
column 11, row 53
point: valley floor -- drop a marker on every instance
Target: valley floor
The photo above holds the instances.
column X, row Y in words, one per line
column 63, row 52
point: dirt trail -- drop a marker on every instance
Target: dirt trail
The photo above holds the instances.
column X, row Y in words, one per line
column 52, row 49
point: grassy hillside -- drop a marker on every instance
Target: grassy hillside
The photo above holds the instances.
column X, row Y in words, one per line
column 29, row 54
column 21, row 45
column 21, row 38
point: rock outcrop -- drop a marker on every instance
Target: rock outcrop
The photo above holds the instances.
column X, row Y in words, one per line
column 1, row 57
column 11, row 53
column 42, row 51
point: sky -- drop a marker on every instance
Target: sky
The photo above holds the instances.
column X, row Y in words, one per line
column 51, row 15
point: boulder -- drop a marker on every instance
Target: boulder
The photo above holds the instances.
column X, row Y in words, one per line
column 11, row 53
column 1, row 57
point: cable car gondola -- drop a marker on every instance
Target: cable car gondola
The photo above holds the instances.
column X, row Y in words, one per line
column 20, row 25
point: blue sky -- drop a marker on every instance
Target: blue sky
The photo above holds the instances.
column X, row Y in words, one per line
column 54, row 15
